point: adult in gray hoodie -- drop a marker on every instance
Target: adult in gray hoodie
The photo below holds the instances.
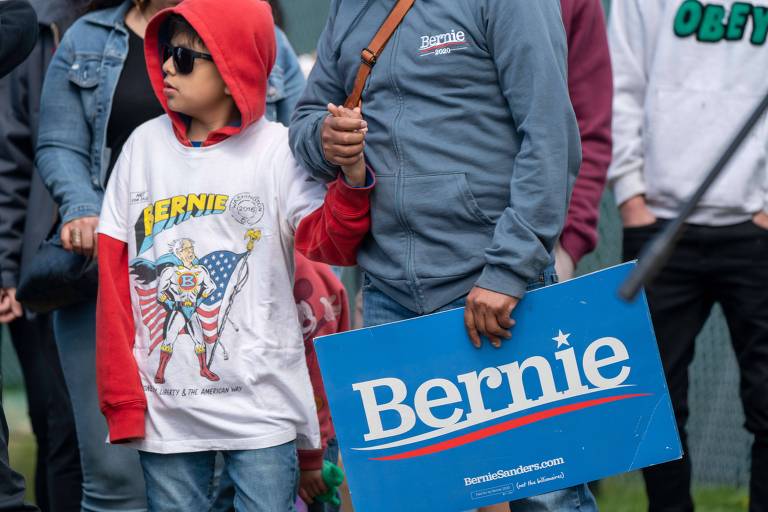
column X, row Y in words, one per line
column 475, row 147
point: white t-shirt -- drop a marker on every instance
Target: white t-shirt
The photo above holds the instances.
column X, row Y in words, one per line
column 210, row 234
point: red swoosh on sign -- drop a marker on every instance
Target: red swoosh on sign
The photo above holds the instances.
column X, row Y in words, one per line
column 504, row 427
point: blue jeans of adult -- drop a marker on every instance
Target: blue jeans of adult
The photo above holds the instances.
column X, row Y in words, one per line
column 265, row 480
column 379, row 308
column 112, row 477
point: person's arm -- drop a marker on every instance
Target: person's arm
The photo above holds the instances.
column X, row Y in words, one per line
column 335, row 320
column 311, row 460
column 591, row 89
column 527, row 42
column 333, row 233
column 63, row 152
column 324, row 86
column 164, row 284
column 326, row 225
column 16, row 155
column 293, row 77
column 632, row 38
column 121, row 396
column 627, row 39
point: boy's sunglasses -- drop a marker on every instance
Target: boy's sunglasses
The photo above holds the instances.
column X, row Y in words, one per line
column 183, row 58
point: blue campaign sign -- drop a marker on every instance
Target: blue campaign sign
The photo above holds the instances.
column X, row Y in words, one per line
column 427, row 422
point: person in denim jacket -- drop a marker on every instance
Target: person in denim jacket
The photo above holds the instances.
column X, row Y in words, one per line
column 92, row 99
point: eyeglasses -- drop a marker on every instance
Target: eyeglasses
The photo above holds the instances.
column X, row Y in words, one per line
column 183, row 58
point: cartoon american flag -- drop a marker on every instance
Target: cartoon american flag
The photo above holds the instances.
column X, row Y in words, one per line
column 221, row 265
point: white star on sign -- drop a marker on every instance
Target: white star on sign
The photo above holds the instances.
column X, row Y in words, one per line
column 561, row 339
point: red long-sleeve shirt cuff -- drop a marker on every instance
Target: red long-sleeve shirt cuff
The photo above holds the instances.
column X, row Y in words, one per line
column 354, row 201
column 310, row 460
column 121, row 395
column 126, row 423
column 575, row 244
column 333, row 233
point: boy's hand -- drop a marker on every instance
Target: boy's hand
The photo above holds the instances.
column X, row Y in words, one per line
column 354, row 166
column 488, row 313
column 311, row 484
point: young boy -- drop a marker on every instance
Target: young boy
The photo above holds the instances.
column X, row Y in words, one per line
column 198, row 345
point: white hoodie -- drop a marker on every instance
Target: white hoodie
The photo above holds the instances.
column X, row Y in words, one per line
column 687, row 75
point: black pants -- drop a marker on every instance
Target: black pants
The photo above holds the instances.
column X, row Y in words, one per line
column 57, row 473
column 729, row 266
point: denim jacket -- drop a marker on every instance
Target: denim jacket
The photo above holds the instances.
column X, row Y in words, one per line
column 72, row 155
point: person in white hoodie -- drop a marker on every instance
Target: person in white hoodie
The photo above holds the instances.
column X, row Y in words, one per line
column 687, row 74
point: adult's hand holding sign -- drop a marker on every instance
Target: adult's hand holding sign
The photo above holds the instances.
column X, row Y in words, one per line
column 489, row 313
column 426, row 421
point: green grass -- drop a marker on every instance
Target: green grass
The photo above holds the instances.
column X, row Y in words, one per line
column 626, row 493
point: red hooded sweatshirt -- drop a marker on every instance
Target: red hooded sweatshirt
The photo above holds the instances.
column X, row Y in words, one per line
column 590, row 84
column 161, row 230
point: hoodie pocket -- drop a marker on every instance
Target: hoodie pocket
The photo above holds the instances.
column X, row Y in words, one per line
column 687, row 131
column 451, row 231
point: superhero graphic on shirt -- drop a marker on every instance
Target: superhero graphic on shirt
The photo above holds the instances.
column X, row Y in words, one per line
column 182, row 289
column 184, row 296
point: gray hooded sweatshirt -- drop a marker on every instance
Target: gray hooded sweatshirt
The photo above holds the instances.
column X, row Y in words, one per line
column 471, row 134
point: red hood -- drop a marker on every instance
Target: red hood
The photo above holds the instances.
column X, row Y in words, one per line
column 240, row 36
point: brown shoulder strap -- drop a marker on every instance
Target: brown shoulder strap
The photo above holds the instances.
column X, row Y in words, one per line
column 371, row 54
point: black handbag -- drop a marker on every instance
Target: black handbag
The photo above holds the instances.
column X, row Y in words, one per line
column 55, row 278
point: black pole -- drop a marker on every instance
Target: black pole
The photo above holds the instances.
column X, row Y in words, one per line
column 658, row 250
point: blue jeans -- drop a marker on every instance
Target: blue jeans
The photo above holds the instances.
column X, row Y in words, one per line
column 225, row 490
column 379, row 309
column 112, row 477
column 265, row 480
